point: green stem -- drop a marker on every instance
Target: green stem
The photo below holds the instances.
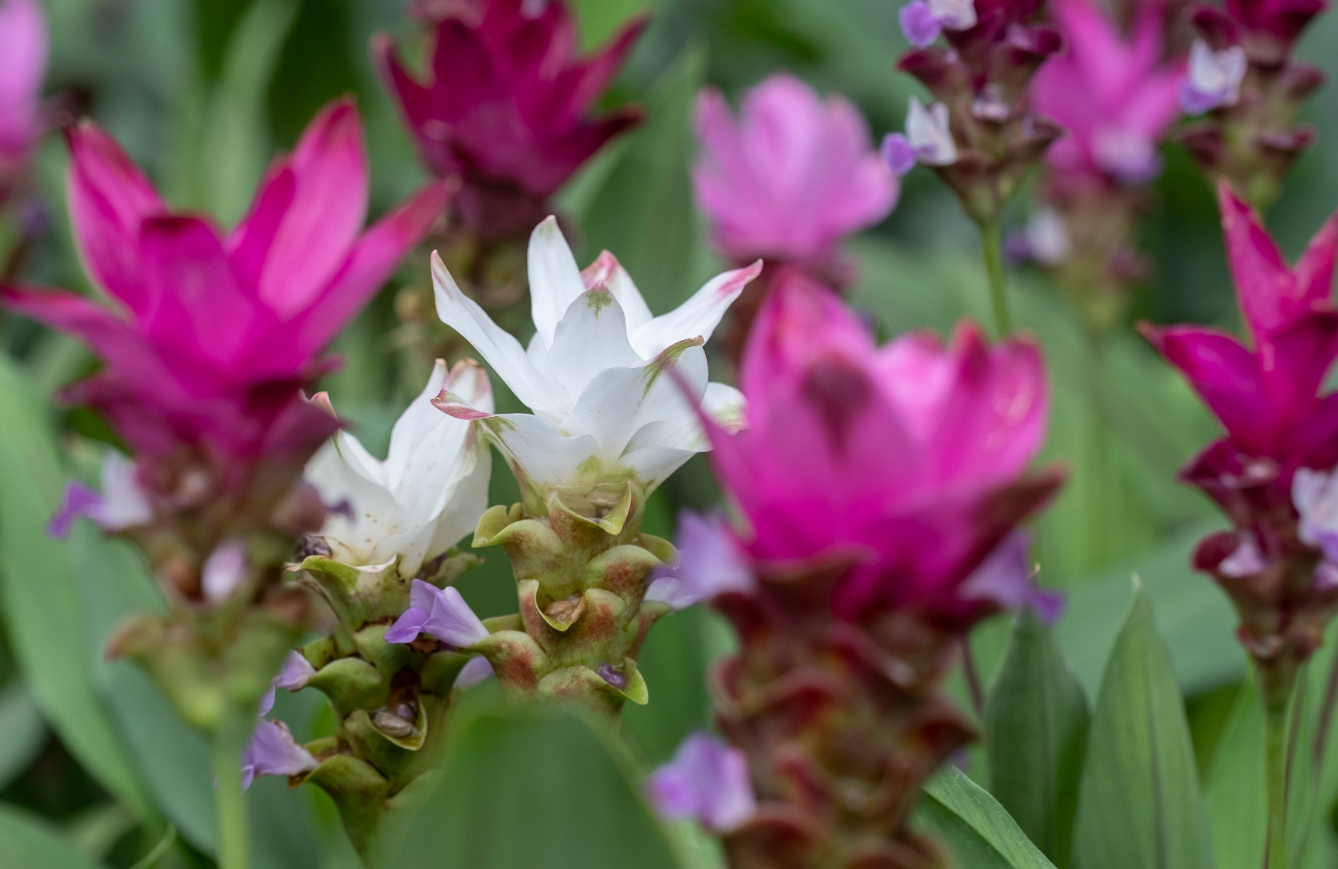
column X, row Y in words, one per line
column 1276, row 726
column 229, row 744
column 991, row 242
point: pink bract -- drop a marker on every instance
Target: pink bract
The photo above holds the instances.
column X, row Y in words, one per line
column 210, row 333
column 1116, row 97
column 23, row 50
column 505, row 106
column 908, row 460
column 791, row 176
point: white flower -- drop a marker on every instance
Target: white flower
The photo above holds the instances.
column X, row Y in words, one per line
column 605, row 379
column 428, row 493
column 954, row 14
column 929, row 134
column 1315, row 496
column 1214, row 77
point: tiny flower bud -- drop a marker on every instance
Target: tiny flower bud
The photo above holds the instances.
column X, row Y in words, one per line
column 928, row 132
column 1214, row 78
column 223, row 571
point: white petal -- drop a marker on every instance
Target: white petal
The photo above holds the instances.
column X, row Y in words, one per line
column 555, row 281
column 541, row 456
column 698, row 316
column 338, row 473
column 591, row 338
column 726, row 405
column 608, row 271
column 462, row 504
column 494, row 344
column 124, row 503
column 653, row 466
column 223, row 570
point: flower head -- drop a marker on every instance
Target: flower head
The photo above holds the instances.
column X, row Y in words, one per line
column 706, row 781
column 907, row 461
column 23, row 49
column 209, row 333
column 791, row 176
column 610, row 385
column 506, row 107
column 1214, row 77
column 426, row 495
column 1116, row 97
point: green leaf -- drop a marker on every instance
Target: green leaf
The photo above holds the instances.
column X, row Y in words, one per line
column 601, row 20
column 974, row 826
column 22, row 732
column 1139, row 803
column 1035, row 731
column 26, row 842
column 534, row 793
column 45, row 621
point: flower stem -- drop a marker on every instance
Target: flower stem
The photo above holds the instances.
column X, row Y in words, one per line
column 229, row 743
column 1276, row 728
column 991, row 243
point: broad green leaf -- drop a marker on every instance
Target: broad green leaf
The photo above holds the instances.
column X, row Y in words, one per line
column 975, row 827
column 1035, row 732
column 45, row 620
column 22, row 731
column 643, row 210
column 27, row 842
column 533, row 793
column 1139, row 803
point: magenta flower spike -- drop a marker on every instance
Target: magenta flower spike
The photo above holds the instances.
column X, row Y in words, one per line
column 1116, row 97
column 23, row 50
column 1269, row 473
column 878, row 491
column 505, row 106
column 210, row 333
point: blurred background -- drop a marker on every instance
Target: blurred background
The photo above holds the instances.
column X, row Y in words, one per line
column 202, row 92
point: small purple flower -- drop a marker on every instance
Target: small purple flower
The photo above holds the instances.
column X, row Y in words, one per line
column 1214, row 78
column 707, row 781
column 121, row 505
column 295, row 672
column 1315, row 496
column 1005, row 577
column 441, row 613
column 709, row 564
column 898, row 154
column 919, row 23
column 474, row 671
column 273, row 751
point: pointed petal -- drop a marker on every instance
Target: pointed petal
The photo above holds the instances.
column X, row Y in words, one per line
column 451, row 620
column 1264, row 283
column 1314, row 271
column 698, row 316
column 408, row 626
column 250, row 241
column 23, row 55
column 608, row 271
column 498, row 347
column 555, row 281
column 591, row 337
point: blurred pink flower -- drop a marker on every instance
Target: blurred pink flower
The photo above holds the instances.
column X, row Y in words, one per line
column 908, row 462
column 791, row 176
column 1267, row 28
column 23, row 49
column 1117, row 97
column 706, row 781
column 210, row 334
column 505, row 106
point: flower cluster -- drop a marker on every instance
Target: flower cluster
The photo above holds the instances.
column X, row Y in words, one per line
column 881, row 489
column 1241, row 73
column 206, row 344
column 23, row 47
column 505, row 107
column 786, row 182
column 1271, row 473
column 1117, row 98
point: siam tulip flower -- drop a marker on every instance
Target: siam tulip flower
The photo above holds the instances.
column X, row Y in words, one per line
column 1214, row 78
column 706, row 781
column 594, row 375
column 506, row 107
column 23, row 50
column 1116, row 97
column 428, row 493
column 439, row 613
column 791, row 177
column 879, row 491
column 210, row 332
column 786, row 182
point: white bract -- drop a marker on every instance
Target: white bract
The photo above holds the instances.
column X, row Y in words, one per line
column 612, row 388
column 428, row 493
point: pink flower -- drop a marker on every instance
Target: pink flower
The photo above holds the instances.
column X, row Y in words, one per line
column 505, row 106
column 209, row 334
column 1266, row 27
column 23, row 48
column 706, row 781
column 1116, row 97
column 791, row 177
column 906, row 461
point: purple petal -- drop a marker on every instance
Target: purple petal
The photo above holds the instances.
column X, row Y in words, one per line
column 80, row 500
column 1195, row 101
column 1005, row 578
column 408, row 626
column 898, row 154
column 1048, row 605
column 707, row 781
column 709, row 564
column 266, row 702
column 273, row 751
column 295, row 672
column 224, row 570
column 476, row 670
column 451, row 619
column 919, row 23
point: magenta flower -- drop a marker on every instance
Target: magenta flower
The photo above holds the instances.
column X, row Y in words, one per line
column 23, row 48
column 210, row 333
column 908, row 462
column 1116, row 97
column 506, row 107
column 1266, row 28
column 791, row 177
